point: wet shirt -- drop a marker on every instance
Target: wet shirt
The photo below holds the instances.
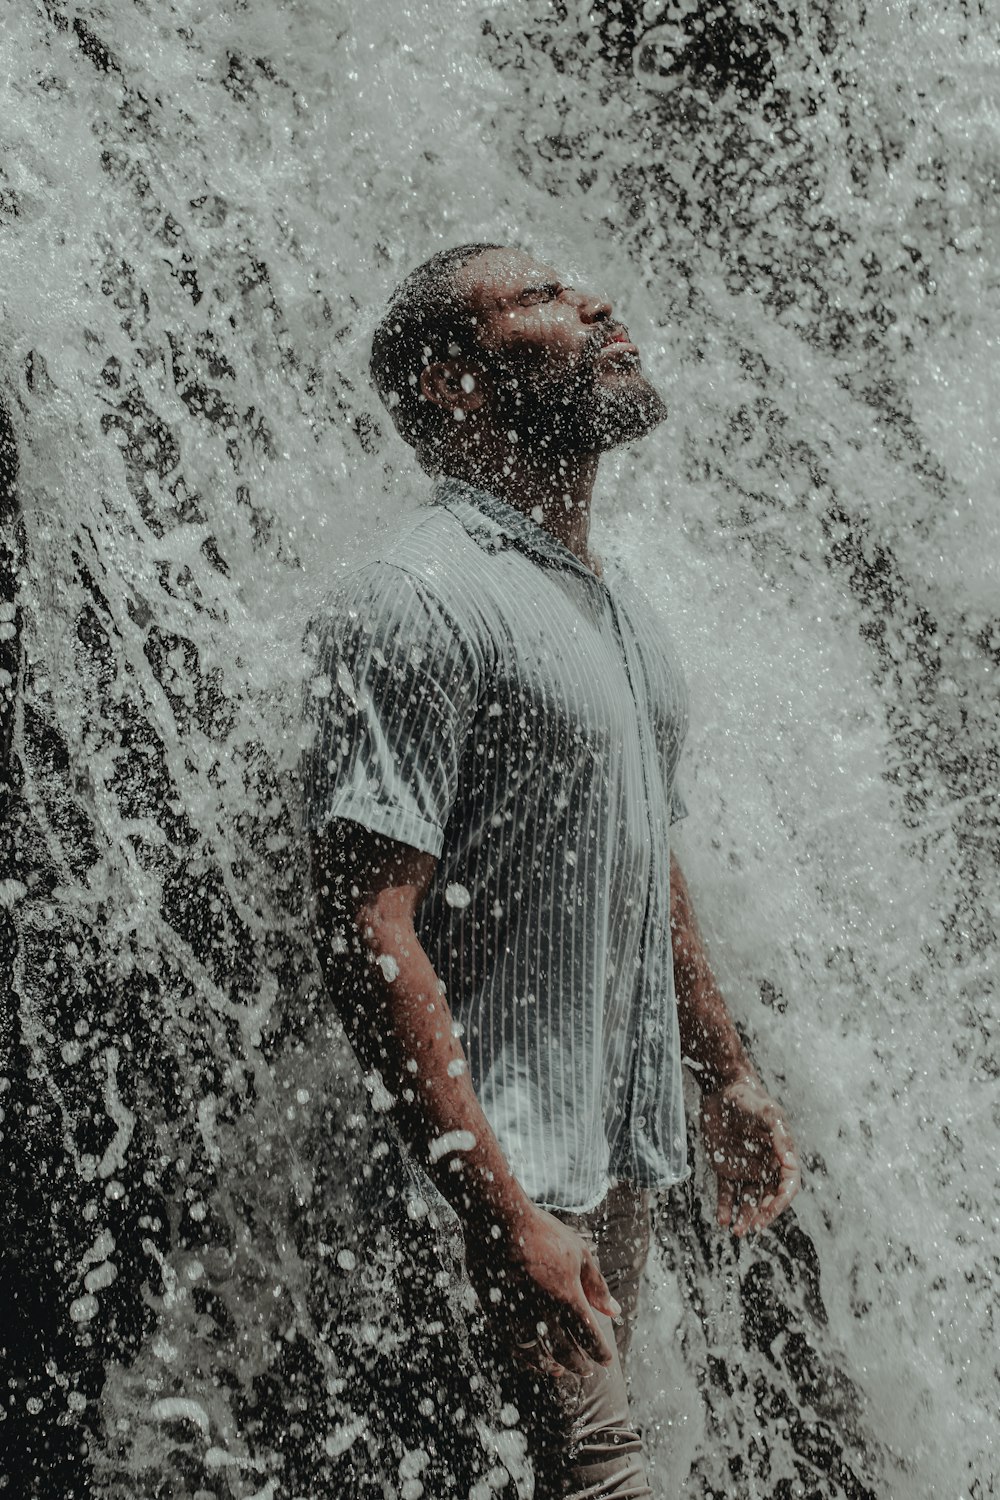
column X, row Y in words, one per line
column 481, row 695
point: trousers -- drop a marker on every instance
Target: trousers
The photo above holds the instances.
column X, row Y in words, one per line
column 581, row 1440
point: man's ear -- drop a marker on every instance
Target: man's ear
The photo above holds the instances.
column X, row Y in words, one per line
column 452, row 384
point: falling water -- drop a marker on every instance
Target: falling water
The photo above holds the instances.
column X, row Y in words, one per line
column 203, row 208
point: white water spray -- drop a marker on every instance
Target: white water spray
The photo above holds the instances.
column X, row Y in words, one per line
column 203, row 210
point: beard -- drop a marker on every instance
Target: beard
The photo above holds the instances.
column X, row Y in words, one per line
column 593, row 407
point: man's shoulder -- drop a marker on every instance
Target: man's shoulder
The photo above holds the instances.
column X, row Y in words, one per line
column 430, row 545
column 427, row 568
column 432, row 554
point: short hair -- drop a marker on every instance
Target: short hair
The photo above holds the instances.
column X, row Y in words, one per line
column 426, row 321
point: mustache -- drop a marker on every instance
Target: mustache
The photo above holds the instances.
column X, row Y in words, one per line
column 603, row 335
column 518, row 366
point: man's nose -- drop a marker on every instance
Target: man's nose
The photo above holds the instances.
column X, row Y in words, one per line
column 593, row 308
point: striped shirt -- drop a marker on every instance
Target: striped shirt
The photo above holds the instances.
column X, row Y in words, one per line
column 481, row 695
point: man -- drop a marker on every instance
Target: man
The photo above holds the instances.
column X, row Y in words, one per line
column 490, row 793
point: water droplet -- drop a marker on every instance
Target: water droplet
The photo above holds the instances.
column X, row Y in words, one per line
column 83, row 1309
column 452, row 1140
column 389, row 966
column 100, row 1277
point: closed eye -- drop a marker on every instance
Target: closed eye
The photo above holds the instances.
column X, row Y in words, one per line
column 545, row 292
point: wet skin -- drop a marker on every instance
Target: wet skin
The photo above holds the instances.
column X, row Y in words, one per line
column 552, row 380
column 523, row 307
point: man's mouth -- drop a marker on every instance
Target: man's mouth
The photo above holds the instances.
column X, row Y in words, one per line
column 619, row 350
column 617, row 343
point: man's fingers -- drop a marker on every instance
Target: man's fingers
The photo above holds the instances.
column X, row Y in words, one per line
column 747, row 1200
column 757, row 1166
column 593, row 1343
column 761, row 1206
column 569, row 1349
column 791, row 1181
column 789, row 1178
column 540, row 1360
column 768, row 1212
column 584, row 1331
column 546, row 1351
column 572, row 1359
column 569, row 1329
column 537, row 1357
column 595, row 1288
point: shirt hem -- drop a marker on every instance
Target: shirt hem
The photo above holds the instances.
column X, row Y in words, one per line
column 587, row 1207
column 653, row 1182
column 392, row 823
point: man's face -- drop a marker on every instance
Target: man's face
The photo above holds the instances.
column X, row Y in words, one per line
column 560, row 370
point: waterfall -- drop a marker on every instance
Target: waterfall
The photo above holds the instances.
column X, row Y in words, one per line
column 203, row 210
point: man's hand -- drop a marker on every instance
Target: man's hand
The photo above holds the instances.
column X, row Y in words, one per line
column 751, row 1149
column 538, row 1285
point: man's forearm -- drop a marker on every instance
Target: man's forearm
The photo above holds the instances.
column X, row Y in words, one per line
column 708, row 1036
column 367, row 891
column 395, row 1008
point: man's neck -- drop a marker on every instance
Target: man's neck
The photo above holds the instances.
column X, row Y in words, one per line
column 554, row 492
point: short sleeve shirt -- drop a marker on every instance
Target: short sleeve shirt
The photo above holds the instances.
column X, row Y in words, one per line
column 479, row 694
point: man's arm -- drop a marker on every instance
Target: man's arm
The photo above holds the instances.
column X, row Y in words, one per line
column 396, row 1014
column 750, row 1146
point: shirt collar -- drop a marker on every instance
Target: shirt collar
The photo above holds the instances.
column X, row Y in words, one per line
column 505, row 525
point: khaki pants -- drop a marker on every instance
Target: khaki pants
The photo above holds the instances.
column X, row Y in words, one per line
column 580, row 1437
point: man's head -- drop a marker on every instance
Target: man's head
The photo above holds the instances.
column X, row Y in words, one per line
column 484, row 344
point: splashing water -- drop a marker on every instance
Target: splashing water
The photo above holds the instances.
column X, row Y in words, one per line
column 204, row 209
